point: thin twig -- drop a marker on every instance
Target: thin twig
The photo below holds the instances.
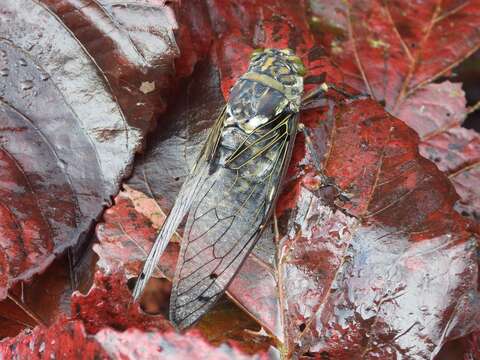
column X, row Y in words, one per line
column 22, row 292
column 473, row 108
column 26, row 310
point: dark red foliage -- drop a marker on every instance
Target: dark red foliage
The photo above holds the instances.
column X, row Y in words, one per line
column 436, row 112
column 473, row 347
column 126, row 235
column 124, row 238
column 80, row 84
column 392, row 50
column 69, row 340
column 108, row 304
column 466, row 348
column 130, row 44
column 65, row 339
column 388, row 270
column 134, row 344
column 368, row 280
column 354, row 279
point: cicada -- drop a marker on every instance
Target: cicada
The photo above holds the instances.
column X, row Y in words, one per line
column 231, row 191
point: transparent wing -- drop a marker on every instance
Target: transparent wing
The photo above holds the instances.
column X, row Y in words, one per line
column 182, row 204
column 228, row 212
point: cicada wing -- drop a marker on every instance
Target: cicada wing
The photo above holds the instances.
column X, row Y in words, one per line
column 226, row 219
column 182, row 204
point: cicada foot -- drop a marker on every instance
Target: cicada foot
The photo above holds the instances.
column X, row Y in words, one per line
column 341, row 195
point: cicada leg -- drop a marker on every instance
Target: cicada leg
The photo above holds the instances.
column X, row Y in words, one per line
column 325, row 180
column 347, row 94
column 323, row 88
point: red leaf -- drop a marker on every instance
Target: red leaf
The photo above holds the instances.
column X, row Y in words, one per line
column 361, row 278
column 68, row 340
column 127, row 233
column 125, row 236
column 436, row 112
column 64, row 339
column 81, row 83
column 108, row 304
column 133, row 344
column 133, row 45
column 392, row 51
column 46, row 297
column 474, row 346
column 373, row 286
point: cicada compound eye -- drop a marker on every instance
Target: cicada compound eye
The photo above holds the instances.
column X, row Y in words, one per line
column 298, row 65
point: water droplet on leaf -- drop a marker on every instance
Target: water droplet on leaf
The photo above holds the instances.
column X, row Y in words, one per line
column 26, row 84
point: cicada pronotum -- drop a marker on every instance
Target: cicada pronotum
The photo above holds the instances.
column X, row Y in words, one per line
column 231, row 191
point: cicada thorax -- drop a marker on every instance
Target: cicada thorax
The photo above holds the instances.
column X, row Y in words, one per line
column 281, row 70
column 260, row 114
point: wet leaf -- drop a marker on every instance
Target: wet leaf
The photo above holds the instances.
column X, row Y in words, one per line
column 63, row 339
column 437, row 112
column 357, row 278
column 69, row 340
column 108, row 304
column 73, row 111
column 133, row 344
column 393, row 52
column 389, row 270
column 390, row 49
column 127, row 232
column 125, row 236
column 46, row 297
column 138, row 37
column 466, row 348
column 473, row 346
column 369, row 282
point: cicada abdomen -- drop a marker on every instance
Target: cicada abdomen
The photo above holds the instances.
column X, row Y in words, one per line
column 232, row 190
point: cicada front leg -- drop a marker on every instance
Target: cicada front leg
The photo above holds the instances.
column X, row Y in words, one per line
column 325, row 180
column 322, row 89
column 317, row 98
